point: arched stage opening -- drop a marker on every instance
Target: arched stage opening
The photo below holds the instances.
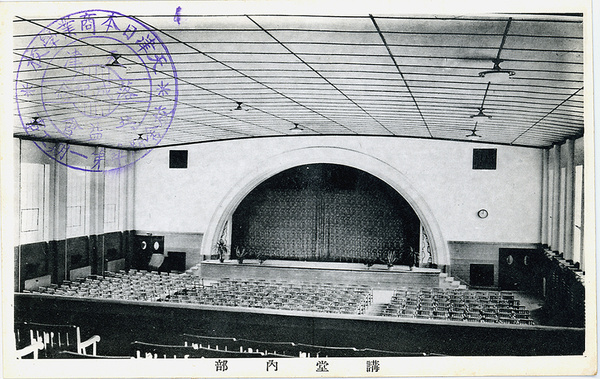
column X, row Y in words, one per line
column 326, row 212
column 221, row 222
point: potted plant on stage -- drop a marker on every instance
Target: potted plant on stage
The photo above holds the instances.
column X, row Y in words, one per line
column 370, row 260
column 412, row 256
column 390, row 258
column 261, row 256
column 240, row 254
column 221, row 248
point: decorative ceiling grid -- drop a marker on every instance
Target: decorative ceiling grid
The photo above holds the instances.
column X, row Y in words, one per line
column 259, row 75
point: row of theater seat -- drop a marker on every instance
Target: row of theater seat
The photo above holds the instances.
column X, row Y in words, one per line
column 458, row 305
column 52, row 341
column 565, row 264
column 132, row 285
column 276, row 294
column 184, row 288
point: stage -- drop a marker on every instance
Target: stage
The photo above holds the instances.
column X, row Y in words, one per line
column 377, row 276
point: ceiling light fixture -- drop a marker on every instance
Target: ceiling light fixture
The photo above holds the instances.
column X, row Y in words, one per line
column 36, row 122
column 116, row 66
column 140, row 138
column 115, row 62
column 473, row 132
column 239, row 107
column 296, row 129
column 480, row 114
column 497, row 74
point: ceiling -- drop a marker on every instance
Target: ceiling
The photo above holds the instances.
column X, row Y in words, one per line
column 142, row 81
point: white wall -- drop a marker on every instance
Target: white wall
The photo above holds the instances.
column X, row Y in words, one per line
column 185, row 200
column 56, row 189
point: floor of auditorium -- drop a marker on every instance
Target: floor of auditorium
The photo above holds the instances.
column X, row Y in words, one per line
column 382, row 297
column 446, row 302
column 445, row 319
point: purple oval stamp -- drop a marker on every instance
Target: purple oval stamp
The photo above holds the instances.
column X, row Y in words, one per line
column 98, row 78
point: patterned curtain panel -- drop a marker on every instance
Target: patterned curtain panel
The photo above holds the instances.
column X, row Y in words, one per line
column 327, row 213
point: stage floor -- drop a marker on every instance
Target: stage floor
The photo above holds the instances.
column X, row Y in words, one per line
column 378, row 276
column 324, row 265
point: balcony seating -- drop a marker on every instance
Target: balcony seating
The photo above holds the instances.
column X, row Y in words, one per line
column 55, row 338
column 32, row 349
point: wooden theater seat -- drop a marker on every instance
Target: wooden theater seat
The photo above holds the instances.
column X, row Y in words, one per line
column 55, row 338
column 32, row 349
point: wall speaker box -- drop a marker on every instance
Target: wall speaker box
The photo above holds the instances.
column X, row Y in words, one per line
column 484, row 159
column 516, row 269
column 178, row 158
column 157, row 244
column 142, row 252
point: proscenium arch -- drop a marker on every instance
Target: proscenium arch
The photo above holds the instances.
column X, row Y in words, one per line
column 332, row 155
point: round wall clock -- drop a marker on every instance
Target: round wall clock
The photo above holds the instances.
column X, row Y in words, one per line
column 482, row 213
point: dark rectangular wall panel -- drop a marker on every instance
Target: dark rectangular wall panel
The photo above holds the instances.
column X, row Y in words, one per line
column 16, row 268
column 128, row 248
column 95, row 253
column 484, row 159
column 113, row 248
column 78, row 252
column 482, row 275
column 34, row 260
column 178, row 158
column 59, row 253
column 175, row 261
column 55, row 258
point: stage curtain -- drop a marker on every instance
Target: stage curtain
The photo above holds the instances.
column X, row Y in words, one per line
column 341, row 216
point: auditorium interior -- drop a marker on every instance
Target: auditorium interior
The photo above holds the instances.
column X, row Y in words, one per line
column 189, row 184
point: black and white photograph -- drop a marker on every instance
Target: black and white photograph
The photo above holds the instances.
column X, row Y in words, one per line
column 297, row 189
